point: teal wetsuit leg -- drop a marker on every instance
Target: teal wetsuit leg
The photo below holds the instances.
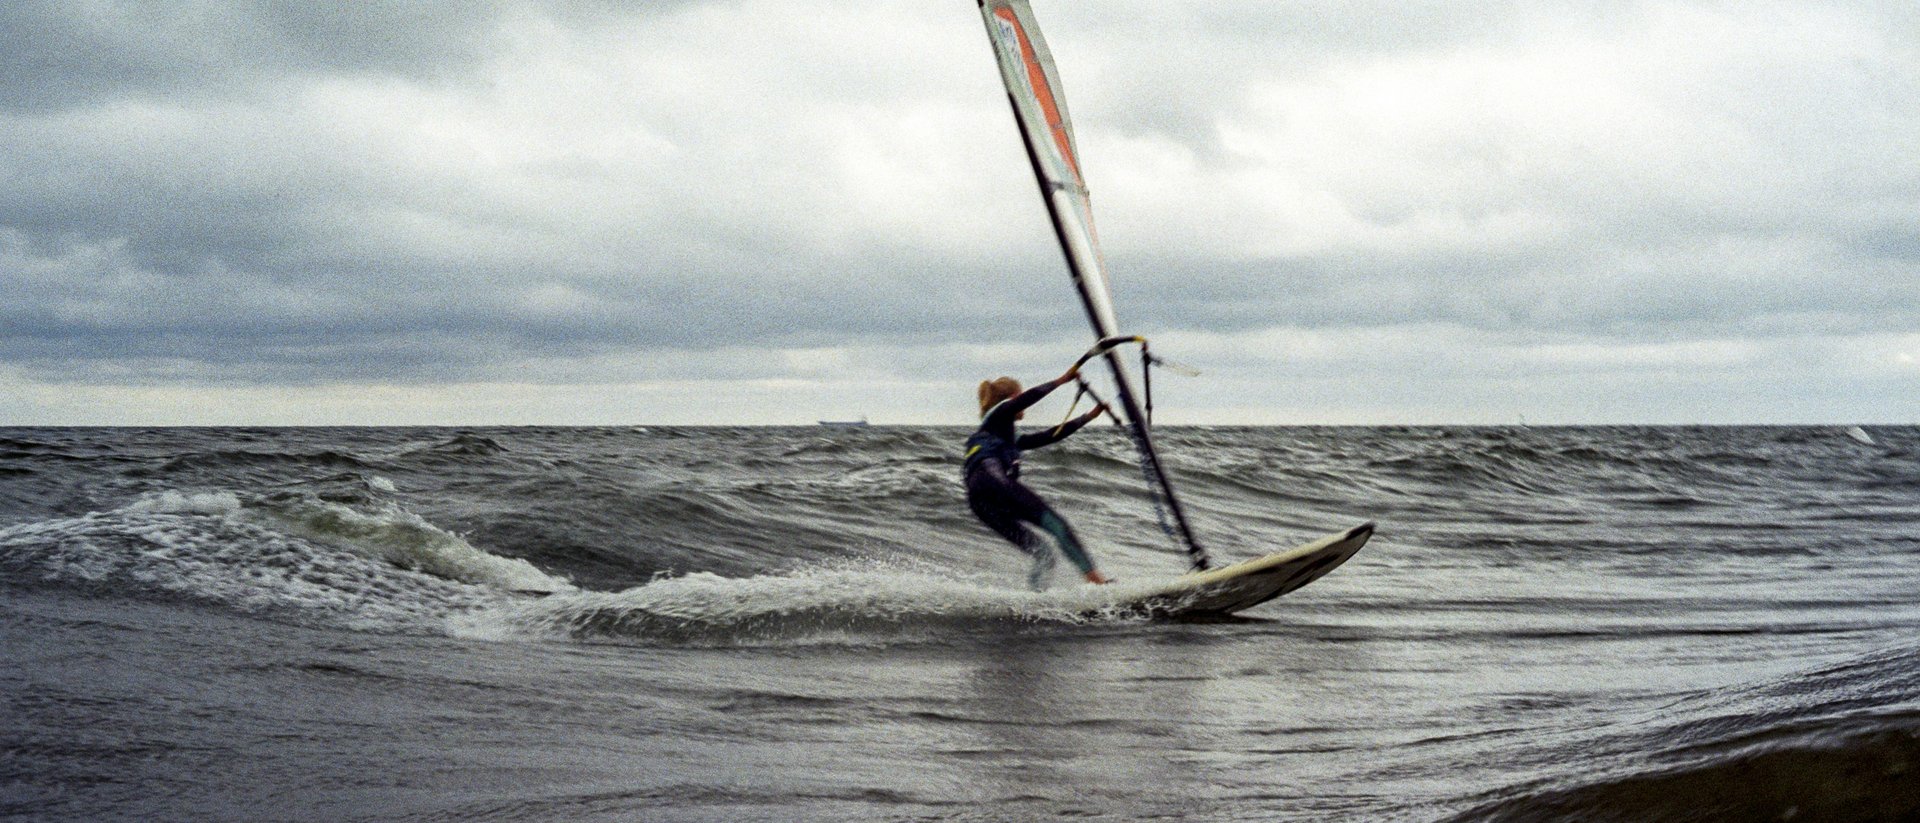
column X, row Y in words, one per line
column 1069, row 545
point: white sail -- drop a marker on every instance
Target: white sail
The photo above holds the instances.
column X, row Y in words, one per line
column 1033, row 85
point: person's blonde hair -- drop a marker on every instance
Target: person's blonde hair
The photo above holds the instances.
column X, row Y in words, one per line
column 995, row 390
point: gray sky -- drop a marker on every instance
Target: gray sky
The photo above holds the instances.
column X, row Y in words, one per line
column 768, row 211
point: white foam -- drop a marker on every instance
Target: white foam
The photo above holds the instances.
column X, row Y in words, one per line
column 363, row 570
column 817, row 602
column 394, row 535
column 173, row 502
column 409, row 541
column 199, row 550
column 393, row 567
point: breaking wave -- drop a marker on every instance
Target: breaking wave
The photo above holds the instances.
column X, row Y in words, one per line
column 289, row 554
column 282, row 555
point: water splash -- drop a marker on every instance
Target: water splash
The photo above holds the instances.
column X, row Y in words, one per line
column 827, row 603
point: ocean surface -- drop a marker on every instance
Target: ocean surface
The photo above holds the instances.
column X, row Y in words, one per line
column 738, row 624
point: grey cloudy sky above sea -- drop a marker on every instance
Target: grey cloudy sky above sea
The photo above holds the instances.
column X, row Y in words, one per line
column 780, row 211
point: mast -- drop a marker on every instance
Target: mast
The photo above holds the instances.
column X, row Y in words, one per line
column 1033, row 90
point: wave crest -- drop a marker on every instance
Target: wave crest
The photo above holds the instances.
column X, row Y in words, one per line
column 285, row 555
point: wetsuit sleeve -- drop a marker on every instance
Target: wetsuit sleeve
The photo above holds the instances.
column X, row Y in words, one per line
column 1048, row 437
column 1000, row 418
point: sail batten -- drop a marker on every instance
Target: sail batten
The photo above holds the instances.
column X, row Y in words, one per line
column 1040, row 110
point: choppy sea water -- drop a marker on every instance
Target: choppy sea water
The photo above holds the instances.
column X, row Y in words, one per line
column 806, row 624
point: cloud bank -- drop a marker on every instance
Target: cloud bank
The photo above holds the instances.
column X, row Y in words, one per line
column 225, row 211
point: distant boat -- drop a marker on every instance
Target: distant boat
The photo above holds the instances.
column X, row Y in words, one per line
column 1860, row 434
column 846, row 424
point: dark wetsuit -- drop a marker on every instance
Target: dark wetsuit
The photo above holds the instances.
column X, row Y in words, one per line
column 995, row 493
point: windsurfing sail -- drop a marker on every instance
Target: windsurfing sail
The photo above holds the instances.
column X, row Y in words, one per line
column 1033, row 87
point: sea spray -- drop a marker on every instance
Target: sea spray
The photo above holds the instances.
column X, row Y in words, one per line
column 846, row 601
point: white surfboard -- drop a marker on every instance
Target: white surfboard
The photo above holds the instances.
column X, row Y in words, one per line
column 1244, row 585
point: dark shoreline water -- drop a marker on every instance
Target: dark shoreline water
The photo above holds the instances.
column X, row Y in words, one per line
column 804, row 623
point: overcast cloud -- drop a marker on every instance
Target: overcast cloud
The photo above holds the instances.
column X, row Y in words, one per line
column 775, row 210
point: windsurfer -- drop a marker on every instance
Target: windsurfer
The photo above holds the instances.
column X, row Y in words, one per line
column 994, row 490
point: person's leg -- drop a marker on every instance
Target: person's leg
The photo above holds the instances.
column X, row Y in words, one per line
column 1000, row 503
column 1008, row 525
column 1031, row 509
column 1053, row 524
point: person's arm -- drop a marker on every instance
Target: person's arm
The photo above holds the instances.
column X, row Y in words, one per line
column 1058, row 433
column 1000, row 417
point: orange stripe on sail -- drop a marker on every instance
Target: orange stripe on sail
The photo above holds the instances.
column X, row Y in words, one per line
column 1042, row 92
